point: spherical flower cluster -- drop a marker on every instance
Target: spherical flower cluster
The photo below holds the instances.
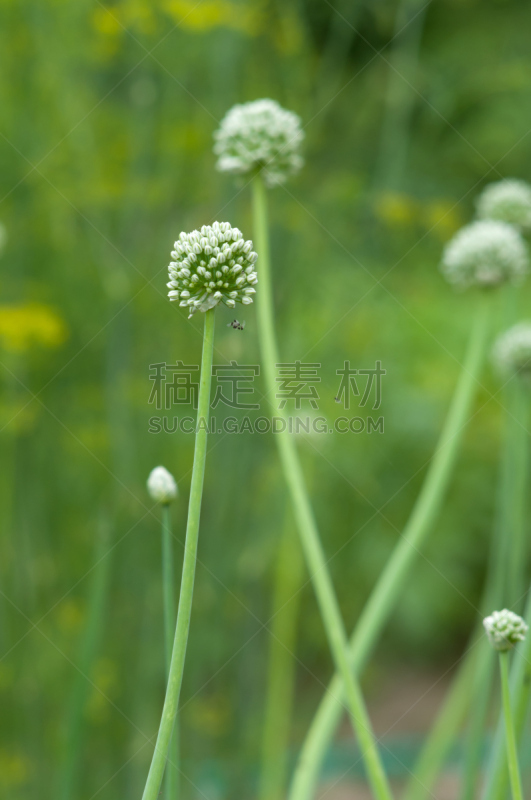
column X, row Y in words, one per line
column 512, row 351
column 260, row 135
column 508, row 200
column 161, row 485
column 505, row 629
column 485, row 253
column 210, row 266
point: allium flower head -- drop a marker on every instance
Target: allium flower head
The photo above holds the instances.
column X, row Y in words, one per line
column 485, row 253
column 161, row 485
column 505, row 629
column 512, row 351
column 260, row 135
column 210, row 266
column 508, row 200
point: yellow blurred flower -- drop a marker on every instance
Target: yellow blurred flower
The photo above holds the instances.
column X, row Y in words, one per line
column 7, row 675
column 18, row 416
column 109, row 29
column 210, row 715
column 395, row 209
column 105, row 683
column 107, row 21
column 70, row 616
column 14, row 769
column 189, row 137
column 140, row 15
column 444, row 217
column 201, row 17
column 23, row 326
column 288, row 34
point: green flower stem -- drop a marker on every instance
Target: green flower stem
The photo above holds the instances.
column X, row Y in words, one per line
column 403, row 61
column 306, row 525
column 442, row 734
column 171, row 701
column 517, row 426
column 97, row 603
column 171, row 781
column 384, row 595
column 506, row 575
column 496, row 782
column 480, row 695
column 289, row 568
column 470, row 690
column 510, row 738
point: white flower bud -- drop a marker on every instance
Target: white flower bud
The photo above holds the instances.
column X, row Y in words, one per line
column 511, row 353
column 505, row 629
column 162, row 486
column 194, row 284
column 485, row 253
column 260, row 135
column 508, row 200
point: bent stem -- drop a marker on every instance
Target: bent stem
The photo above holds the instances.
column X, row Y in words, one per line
column 510, row 738
column 289, row 568
column 172, row 774
column 306, row 525
column 384, row 595
column 182, row 627
column 442, row 735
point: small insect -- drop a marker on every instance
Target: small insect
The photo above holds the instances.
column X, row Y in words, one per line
column 337, row 399
column 238, row 326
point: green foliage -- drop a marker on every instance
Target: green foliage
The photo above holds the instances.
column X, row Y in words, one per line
column 105, row 156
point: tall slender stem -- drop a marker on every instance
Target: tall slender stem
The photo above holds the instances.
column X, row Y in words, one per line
column 400, row 101
column 182, row 627
column 442, row 735
column 496, row 782
column 304, row 518
column 289, row 568
column 97, row 602
column 384, row 595
column 480, row 693
column 517, row 421
column 506, row 573
column 171, row 781
column 514, row 529
column 510, row 738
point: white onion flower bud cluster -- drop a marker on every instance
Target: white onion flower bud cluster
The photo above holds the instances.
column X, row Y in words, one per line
column 210, row 266
column 260, row 135
column 508, row 200
column 162, row 486
column 511, row 353
column 485, row 253
column 505, row 629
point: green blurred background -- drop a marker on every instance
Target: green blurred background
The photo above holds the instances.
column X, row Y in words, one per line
column 107, row 116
